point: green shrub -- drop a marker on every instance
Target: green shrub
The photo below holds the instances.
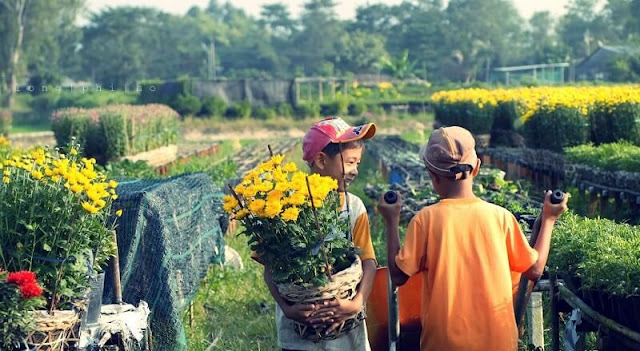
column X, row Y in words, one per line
column 5, row 122
column 113, row 131
column 285, row 110
column 264, row 113
column 213, row 106
column 338, row 107
column 554, row 129
column 150, row 92
column 186, row 104
column 601, row 253
column 376, row 109
column 357, row 108
column 307, row 110
column 620, row 156
column 46, row 102
column 72, row 122
column 611, row 123
column 467, row 114
column 239, row 110
column 505, row 115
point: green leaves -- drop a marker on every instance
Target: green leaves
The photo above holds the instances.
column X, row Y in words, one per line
column 603, row 254
column 619, row 156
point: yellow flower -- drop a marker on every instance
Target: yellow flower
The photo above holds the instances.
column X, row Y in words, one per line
column 76, row 188
column 118, row 213
column 36, row 174
column 89, row 208
column 114, row 197
column 55, row 178
column 290, row 167
column 230, row 203
column 6, row 180
column 73, row 152
column 291, row 214
column 112, row 183
column 257, row 206
column 273, row 209
column 242, row 213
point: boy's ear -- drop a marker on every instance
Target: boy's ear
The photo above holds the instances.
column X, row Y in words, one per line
column 320, row 160
column 476, row 169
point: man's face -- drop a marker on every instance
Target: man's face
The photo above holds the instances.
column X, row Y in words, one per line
column 333, row 167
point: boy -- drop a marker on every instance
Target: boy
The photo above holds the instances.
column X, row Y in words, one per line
column 466, row 248
column 333, row 148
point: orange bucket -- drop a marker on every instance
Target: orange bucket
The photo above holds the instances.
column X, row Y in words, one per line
column 410, row 304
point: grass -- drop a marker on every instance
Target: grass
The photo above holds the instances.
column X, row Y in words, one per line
column 233, row 307
column 17, row 128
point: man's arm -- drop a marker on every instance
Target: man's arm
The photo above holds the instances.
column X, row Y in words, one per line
column 550, row 213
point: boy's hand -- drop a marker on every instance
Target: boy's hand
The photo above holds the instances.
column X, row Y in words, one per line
column 300, row 312
column 554, row 211
column 336, row 311
column 390, row 212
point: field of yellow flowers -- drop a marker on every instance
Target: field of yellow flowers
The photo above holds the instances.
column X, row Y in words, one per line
column 552, row 117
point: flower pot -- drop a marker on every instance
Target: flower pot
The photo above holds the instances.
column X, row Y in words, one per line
column 57, row 331
column 343, row 285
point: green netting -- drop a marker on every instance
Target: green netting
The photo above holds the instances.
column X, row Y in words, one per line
column 170, row 232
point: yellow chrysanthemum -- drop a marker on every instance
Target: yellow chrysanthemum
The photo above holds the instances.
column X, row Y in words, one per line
column 230, row 203
column 119, row 213
column 257, row 206
column 291, row 214
column 273, row 209
column 89, row 208
column 6, row 180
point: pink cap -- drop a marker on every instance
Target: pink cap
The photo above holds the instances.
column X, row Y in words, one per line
column 332, row 130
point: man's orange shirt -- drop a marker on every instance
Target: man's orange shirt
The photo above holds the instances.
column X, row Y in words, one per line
column 467, row 249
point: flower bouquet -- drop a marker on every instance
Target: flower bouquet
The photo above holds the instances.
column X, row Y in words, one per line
column 294, row 224
column 56, row 222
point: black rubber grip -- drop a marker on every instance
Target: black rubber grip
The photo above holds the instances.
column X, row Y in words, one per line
column 390, row 197
column 557, row 196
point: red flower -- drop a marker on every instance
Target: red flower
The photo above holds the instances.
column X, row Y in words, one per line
column 22, row 277
column 31, row 289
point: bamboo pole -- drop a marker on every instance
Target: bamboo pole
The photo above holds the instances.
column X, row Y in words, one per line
column 576, row 302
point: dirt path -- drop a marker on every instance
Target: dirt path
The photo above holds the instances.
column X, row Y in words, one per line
column 196, row 135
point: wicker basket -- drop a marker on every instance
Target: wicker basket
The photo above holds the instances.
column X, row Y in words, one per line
column 343, row 285
column 54, row 332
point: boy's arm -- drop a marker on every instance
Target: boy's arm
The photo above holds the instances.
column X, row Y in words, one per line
column 550, row 213
column 391, row 215
column 398, row 277
column 298, row 312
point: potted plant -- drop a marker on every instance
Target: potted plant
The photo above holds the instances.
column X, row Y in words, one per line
column 293, row 223
column 56, row 222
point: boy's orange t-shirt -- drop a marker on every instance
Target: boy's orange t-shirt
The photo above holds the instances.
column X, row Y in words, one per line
column 467, row 249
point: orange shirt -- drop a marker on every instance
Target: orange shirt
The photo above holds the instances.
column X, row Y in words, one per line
column 467, row 249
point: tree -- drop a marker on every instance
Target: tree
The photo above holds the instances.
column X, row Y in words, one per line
column 316, row 44
column 27, row 29
column 400, row 67
column 487, row 32
column 359, row 51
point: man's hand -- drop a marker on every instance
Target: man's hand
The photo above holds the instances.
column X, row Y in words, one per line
column 300, row 312
column 554, row 211
column 336, row 311
column 390, row 212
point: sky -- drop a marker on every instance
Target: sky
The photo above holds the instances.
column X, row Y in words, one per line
column 345, row 8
